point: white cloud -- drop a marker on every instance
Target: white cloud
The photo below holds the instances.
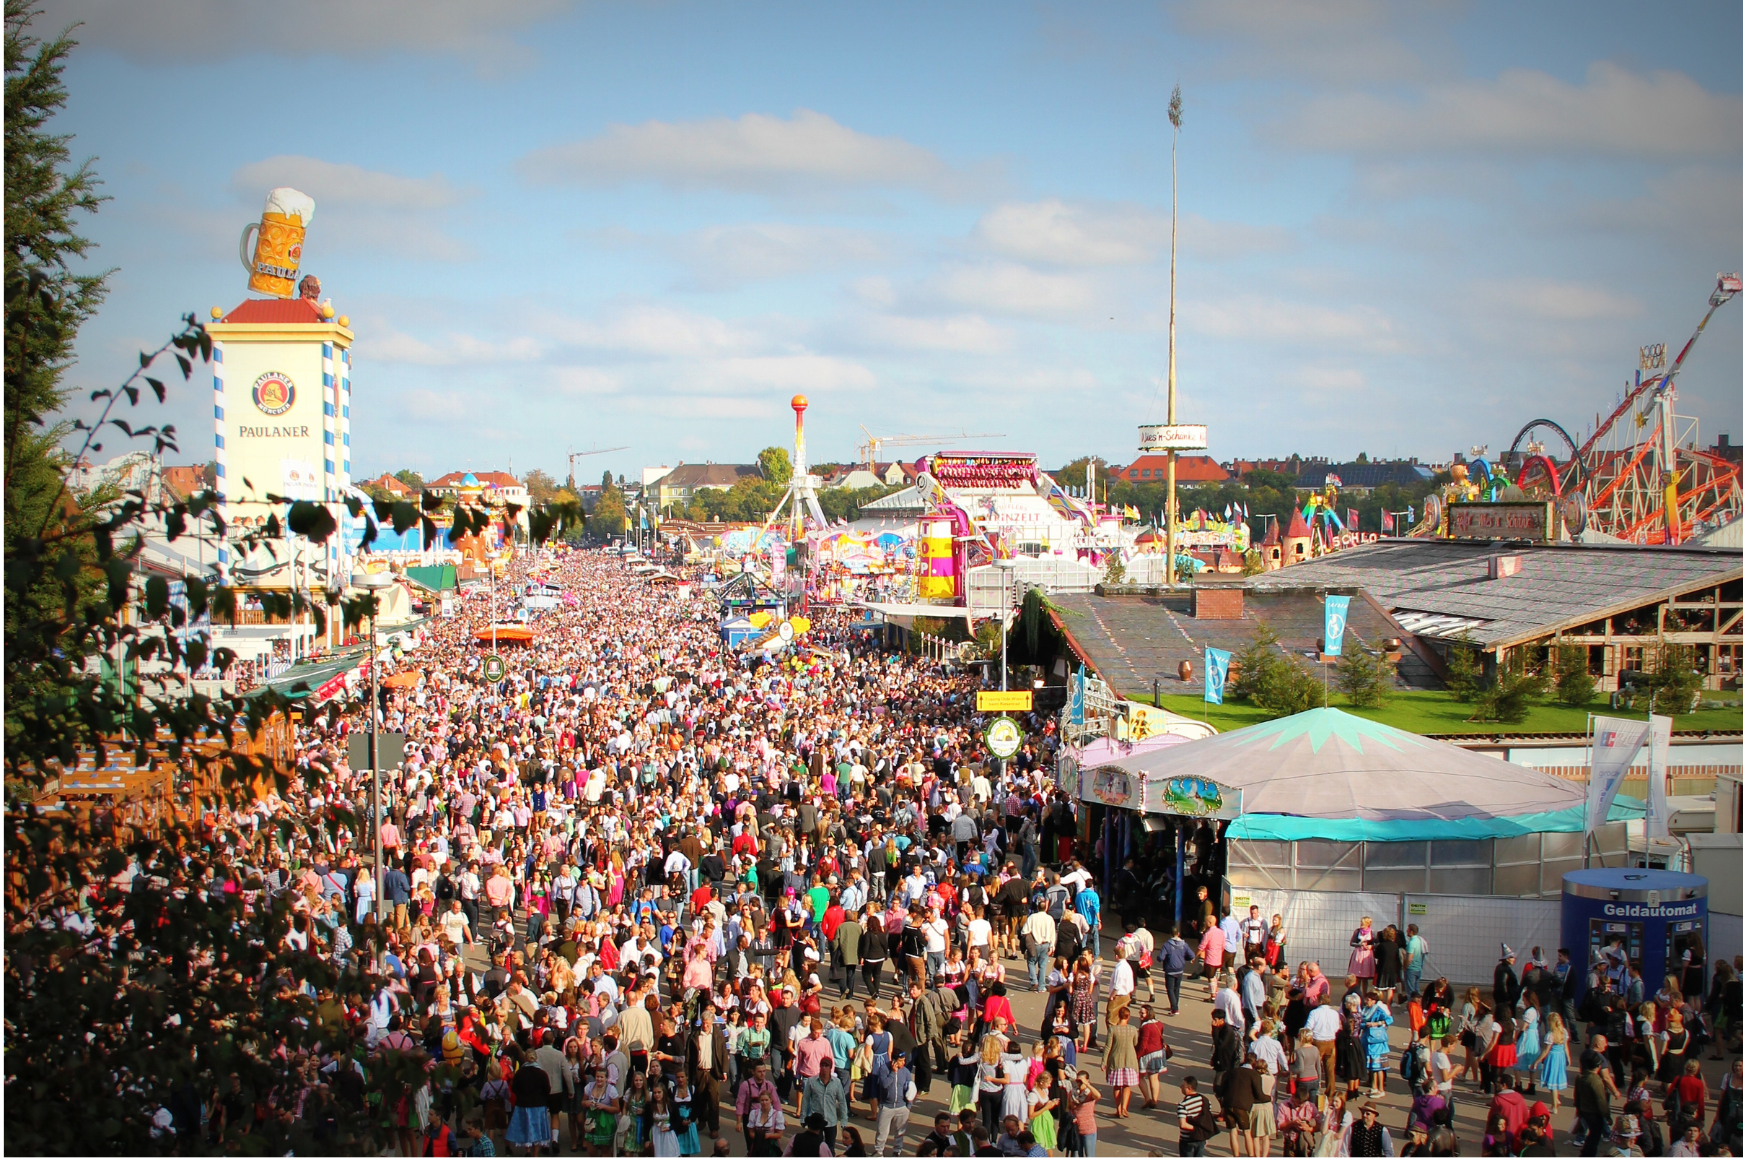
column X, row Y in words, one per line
column 756, row 153
column 1344, row 41
column 339, row 183
column 1061, row 233
column 1009, row 288
column 1263, row 319
column 963, row 333
column 650, row 331
column 176, row 31
column 1549, row 300
column 451, row 349
column 728, row 255
column 1615, row 112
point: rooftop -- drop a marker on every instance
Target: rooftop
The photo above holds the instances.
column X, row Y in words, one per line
column 277, row 311
column 1440, row 587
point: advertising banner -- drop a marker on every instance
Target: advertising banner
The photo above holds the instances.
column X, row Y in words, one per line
column 1615, row 743
column 1337, row 613
column 1657, row 806
column 1216, row 674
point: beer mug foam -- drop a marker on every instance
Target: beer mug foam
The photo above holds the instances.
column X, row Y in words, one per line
column 273, row 257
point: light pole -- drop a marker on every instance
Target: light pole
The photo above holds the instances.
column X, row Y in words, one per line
column 1173, row 249
column 373, row 583
column 1006, row 566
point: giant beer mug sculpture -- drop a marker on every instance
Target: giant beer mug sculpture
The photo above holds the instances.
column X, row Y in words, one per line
column 272, row 259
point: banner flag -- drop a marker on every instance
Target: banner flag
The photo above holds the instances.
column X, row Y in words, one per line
column 1386, row 522
column 1657, row 806
column 1216, row 674
column 1337, row 612
column 1615, row 743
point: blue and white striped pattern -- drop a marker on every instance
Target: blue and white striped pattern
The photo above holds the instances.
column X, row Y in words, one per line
column 218, row 455
column 345, row 418
column 329, row 419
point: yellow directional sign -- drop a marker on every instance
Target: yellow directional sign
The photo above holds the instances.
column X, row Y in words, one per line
column 1004, row 701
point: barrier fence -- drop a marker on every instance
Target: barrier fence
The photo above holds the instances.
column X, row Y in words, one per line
column 1464, row 934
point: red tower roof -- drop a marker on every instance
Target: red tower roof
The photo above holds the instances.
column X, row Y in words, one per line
column 276, row 312
column 1297, row 527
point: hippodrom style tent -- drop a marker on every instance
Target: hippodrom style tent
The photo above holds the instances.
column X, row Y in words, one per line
column 1329, row 775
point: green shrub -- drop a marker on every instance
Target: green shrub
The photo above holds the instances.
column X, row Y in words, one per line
column 1675, row 686
column 1362, row 676
column 1573, row 681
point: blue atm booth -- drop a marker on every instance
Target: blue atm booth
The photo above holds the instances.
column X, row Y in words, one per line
column 1643, row 917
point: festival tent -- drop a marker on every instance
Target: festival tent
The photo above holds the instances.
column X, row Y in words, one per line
column 1329, row 775
column 402, row 680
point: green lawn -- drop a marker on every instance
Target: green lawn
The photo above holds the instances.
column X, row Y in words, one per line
column 1438, row 713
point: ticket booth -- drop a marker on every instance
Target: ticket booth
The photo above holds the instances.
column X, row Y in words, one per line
column 1645, row 918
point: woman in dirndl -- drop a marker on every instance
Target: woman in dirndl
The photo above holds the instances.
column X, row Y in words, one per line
column 1362, row 954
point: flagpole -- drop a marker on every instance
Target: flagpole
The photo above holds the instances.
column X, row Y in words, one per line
column 1586, row 807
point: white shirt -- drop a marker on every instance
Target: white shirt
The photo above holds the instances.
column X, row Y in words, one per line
column 1323, row 1022
column 1230, row 1004
column 1125, row 981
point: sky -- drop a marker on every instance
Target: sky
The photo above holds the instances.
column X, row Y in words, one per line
column 1405, row 230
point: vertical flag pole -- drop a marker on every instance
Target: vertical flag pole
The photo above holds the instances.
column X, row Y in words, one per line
column 1586, row 808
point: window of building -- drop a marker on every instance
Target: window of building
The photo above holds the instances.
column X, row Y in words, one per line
column 1633, row 658
column 1145, row 472
column 1729, row 656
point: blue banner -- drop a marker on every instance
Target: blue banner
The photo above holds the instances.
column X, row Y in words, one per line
column 1216, row 674
column 1074, row 711
column 1337, row 612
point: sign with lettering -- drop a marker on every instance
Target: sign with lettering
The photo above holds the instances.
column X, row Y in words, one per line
column 1516, row 520
column 1172, row 438
column 1004, row 701
column 1003, row 738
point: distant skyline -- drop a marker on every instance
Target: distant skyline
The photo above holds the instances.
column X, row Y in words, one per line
column 1406, row 229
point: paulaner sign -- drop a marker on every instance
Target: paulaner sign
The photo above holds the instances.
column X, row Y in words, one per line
column 1526, row 520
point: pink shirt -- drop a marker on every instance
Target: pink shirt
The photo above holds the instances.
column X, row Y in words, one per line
column 1210, row 946
column 809, row 1052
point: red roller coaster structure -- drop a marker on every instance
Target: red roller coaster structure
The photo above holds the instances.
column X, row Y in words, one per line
column 1641, row 477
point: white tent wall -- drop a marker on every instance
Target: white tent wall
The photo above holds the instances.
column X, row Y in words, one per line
column 1464, row 934
column 1726, row 930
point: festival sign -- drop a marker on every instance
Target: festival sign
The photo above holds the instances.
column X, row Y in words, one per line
column 1003, row 737
column 1110, row 784
column 1192, row 796
column 495, row 668
column 1534, row 521
column 1188, row 437
column 1023, row 701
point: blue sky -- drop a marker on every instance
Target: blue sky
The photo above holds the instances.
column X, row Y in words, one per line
column 1404, row 229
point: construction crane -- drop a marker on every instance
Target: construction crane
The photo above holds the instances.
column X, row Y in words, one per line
column 873, row 443
column 575, row 454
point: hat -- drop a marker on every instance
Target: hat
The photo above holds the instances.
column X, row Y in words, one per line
column 1506, row 952
column 1627, row 1126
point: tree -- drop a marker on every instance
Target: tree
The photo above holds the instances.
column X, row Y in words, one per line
column 1264, row 676
column 1363, row 677
column 605, row 483
column 609, row 517
column 541, row 487
column 1675, row 686
column 1573, row 679
column 1518, row 685
column 777, row 468
column 1253, row 562
column 46, row 299
column 1116, row 570
column 1464, row 669
column 410, row 478
column 1076, row 472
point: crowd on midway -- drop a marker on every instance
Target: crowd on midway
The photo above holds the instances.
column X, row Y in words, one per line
column 650, row 895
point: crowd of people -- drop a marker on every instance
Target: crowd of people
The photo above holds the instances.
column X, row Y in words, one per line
column 648, row 894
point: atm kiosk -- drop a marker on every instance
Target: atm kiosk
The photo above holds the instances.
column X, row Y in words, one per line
column 1621, row 917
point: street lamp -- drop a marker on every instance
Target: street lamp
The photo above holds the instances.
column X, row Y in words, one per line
column 373, row 583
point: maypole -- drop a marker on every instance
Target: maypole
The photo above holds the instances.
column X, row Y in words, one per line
column 1173, row 255
column 1171, row 437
